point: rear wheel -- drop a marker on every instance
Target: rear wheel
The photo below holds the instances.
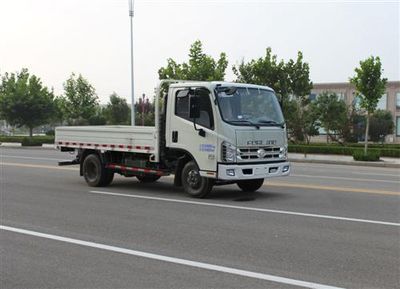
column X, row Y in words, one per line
column 108, row 178
column 95, row 174
column 194, row 184
column 250, row 185
column 148, row 178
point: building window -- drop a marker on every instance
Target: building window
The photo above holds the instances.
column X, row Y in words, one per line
column 340, row 95
column 398, row 99
column 398, row 126
column 357, row 102
column 321, row 131
column 312, row 96
column 382, row 103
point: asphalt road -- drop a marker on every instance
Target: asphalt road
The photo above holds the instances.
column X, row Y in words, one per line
column 326, row 225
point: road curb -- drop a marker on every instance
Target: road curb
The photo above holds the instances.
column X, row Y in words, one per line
column 49, row 145
column 348, row 163
column 16, row 145
column 11, row 144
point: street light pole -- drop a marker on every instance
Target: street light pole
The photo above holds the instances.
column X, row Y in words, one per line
column 132, row 72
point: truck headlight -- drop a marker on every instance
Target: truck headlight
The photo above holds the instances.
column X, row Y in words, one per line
column 283, row 153
column 229, row 152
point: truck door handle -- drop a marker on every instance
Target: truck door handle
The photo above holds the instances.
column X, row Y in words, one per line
column 175, row 136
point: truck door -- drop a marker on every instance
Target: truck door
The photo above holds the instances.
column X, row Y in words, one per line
column 200, row 143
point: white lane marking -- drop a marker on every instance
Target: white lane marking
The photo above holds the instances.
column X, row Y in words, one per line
column 377, row 174
column 174, row 260
column 345, row 178
column 39, row 166
column 329, row 171
column 248, row 208
column 30, row 158
column 350, row 168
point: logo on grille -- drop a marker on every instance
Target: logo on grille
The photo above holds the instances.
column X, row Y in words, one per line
column 261, row 153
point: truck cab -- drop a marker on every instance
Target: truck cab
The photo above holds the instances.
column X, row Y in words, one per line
column 206, row 134
column 234, row 132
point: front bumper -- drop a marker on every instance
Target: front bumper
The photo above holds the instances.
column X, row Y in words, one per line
column 252, row 171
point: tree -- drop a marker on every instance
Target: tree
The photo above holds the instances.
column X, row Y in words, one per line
column 265, row 71
column 117, row 110
column 332, row 113
column 370, row 85
column 302, row 121
column 348, row 129
column 98, row 118
column 381, row 124
column 310, row 121
column 291, row 82
column 144, row 111
column 59, row 111
column 298, row 72
column 80, row 101
column 24, row 101
column 200, row 66
column 300, row 87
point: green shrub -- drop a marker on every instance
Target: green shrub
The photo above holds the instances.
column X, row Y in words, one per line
column 11, row 138
column 341, row 150
column 371, row 156
column 37, row 140
column 356, row 145
column 392, row 153
column 27, row 141
column 335, row 150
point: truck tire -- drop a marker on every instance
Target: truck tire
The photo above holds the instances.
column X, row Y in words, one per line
column 95, row 174
column 194, row 184
column 109, row 178
column 250, row 185
column 148, row 178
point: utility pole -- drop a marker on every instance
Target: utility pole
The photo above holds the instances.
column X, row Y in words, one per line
column 132, row 72
column 143, row 97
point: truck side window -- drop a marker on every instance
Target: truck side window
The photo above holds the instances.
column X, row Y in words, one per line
column 182, row 104
column 206, row 118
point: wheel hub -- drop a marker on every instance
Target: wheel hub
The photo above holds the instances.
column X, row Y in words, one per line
column 193, row 178
column 91, row 171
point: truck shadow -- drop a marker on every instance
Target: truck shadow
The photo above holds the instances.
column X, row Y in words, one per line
column 235, row 194
column 165, row 188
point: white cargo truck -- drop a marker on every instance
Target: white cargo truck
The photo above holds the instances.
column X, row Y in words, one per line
column 205, row 134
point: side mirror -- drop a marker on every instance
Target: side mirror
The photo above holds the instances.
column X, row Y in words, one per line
column 194, row 107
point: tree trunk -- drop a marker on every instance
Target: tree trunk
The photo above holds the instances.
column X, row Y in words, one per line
column 366, row 135
column 30, row 132
column 308, row 139
column 327, row 135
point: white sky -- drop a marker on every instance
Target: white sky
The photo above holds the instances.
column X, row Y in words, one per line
column 53, row 38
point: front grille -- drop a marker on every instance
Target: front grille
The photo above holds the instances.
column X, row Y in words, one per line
column 224, row 152
column 259, row 153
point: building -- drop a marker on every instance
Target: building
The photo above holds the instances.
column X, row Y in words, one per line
column 390, row 101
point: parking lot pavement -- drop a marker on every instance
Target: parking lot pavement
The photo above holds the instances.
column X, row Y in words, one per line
column 327, row 225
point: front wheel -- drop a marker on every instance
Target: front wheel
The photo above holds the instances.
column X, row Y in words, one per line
column 194, row 184
column 250, row 185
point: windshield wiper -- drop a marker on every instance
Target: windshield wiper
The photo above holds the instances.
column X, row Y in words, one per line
column 282, row 124
column 246, row 121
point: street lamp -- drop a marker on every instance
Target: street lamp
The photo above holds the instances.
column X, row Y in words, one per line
column 132, row 81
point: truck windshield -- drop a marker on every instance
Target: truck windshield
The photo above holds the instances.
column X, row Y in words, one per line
column 251, row 107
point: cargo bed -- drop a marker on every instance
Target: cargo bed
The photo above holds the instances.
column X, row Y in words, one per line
column 140, row 139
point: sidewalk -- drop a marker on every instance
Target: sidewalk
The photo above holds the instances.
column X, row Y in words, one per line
column 342, row 160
